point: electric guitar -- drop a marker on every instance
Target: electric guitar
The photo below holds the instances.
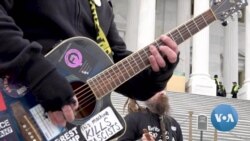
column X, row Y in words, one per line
column 93, row 77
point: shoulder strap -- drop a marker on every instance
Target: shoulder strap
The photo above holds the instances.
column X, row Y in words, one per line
column 101, row 38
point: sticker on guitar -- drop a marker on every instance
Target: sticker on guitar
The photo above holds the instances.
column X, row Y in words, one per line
column 12, row 89
column 102, row 126
column 48, row 129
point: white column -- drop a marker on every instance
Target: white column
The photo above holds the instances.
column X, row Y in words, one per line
column 200, row 81
column 140, row 24
column 183, row 15
column 244, row 92
column 230, row 53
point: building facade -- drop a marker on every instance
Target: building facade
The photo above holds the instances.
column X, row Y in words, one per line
column 216, row 49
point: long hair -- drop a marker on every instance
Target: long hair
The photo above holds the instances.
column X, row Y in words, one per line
column 132, row 106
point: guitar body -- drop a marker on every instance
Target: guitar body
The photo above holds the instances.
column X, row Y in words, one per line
column 78, row 59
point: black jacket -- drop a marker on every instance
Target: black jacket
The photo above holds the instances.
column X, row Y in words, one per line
column 138, row 121
column 30, row 28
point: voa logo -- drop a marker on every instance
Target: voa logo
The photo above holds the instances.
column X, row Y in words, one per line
column 224, row 117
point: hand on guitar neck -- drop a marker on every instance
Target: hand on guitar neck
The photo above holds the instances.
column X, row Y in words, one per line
column 146, row 136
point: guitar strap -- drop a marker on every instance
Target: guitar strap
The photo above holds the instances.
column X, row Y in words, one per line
column 100, row 38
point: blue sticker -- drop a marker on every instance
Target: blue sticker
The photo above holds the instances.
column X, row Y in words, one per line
column 224, row 117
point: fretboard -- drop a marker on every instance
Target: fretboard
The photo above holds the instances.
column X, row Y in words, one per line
column 111, row 78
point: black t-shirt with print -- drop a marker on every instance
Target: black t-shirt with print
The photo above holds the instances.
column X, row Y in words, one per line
column 138, row 121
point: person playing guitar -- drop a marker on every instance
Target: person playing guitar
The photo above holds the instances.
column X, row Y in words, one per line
column 30, row 29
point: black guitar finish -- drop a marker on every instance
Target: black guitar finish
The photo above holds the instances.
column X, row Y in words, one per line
column 80, row 59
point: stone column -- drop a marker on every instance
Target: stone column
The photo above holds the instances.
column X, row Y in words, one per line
column 200, row 81
column 183, row 15
column 140, row 24
column 244, row 92
column 230, row 53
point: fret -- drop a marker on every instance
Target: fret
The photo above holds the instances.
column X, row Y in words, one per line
column 105, row 82
column 156, row 43
column 188, row 30
column 130, row 68
column 98, row 86
column 177, row 36
column 146, row 53
column 196, row 24
column 101, row 84
column 126, row 74
column 184, row 32
column 135, row 67
column 180, row 34
column 140, row 57
column 111, row 79
column 192, row 27
column 200, row 22
column 204, row 19
column 118, row 72
column 114, row 76
column 209, row 16
column 170, row 35
column 92, row 86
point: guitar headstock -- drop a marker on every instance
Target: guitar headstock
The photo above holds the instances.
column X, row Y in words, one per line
column 222, row 9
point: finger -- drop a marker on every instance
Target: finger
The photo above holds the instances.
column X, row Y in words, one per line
column 170, row 43
column 74, row 105
column 169, row 53
column 68, row 113
column 52, row 118
column 57, row 118
column 153, row 63
column 160, row 61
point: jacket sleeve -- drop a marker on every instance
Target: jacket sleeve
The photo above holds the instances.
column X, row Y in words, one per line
column 18, row 54
column 23, row 62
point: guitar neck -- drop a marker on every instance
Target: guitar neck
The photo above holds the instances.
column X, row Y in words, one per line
column 119, row 73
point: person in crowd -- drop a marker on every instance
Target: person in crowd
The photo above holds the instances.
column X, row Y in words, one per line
column 30, row 29
column 217, row 84
column 152, row 122
column 222, row 91
column 235, row 89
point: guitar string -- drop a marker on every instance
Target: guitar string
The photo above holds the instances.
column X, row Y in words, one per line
column 130, row 64
column 80, row 104
column 174, row 35
column 198, row 21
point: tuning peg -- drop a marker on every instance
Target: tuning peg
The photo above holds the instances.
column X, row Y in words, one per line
column 224, row 23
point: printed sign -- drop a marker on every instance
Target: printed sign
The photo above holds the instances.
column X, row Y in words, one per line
column 7, row 132
column 202, row 122
column 224, row 117
column 2, row 103
column 102, row 126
